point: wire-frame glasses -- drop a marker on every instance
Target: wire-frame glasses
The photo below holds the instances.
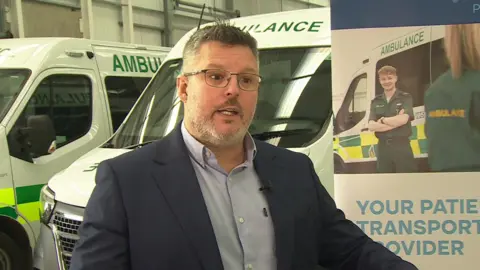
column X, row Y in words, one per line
column 221, row 78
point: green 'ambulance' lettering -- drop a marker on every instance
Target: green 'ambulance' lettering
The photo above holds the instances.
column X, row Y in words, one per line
column 61, row 99
column 403, row 43
column 277, row 27
column 130, row 63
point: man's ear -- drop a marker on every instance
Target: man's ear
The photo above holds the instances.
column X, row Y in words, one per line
column 182, row 83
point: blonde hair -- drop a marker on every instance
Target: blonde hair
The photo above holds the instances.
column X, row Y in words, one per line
column 462, row 47
column 387, row 70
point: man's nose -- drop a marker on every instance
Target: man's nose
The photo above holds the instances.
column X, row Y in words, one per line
column 232, row 88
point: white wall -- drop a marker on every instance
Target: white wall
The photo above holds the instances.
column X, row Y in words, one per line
column 110, row 20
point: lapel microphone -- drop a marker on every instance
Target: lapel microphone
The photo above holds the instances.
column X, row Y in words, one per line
column 266, row 185
column 264, row 188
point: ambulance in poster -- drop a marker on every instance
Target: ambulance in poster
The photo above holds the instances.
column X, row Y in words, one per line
column 406, row 104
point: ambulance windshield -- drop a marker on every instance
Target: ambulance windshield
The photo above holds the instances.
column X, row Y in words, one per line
column 293, row 110
column 11, row 83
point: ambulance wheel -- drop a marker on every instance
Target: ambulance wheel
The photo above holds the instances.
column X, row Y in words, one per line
column 11, row 254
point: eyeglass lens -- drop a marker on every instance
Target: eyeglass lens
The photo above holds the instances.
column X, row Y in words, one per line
column 220, row 78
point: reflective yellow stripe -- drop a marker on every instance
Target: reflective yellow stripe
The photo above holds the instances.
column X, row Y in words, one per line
column 336, row 143
column 368, row 138
column 7, row 197
column 349, row 147
column 354, row 151
column 415, row 147
column 30, row 211
column 421, row 132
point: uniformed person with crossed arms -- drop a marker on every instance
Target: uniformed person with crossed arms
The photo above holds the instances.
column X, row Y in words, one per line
column 390, row 118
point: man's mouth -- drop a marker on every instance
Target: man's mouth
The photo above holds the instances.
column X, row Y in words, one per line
column 229, row 111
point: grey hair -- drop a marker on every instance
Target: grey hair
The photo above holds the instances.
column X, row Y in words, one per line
column 221, row 31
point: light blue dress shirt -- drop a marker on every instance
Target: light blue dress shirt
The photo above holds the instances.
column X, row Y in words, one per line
column 237, row 209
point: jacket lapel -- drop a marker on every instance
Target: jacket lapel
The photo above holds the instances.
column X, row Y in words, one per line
column 270, row 171
column 177, row 181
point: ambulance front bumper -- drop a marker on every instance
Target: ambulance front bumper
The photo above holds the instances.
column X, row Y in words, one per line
column 46, row 255
column 57, row 238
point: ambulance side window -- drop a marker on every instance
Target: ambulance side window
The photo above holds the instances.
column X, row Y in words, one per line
column 354, row 106
column 358, row 107
column 122, row 94
column 66, row 99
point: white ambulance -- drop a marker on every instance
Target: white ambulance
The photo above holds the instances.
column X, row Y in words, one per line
column 417, row 54
column 294, row 111
column 59, row 99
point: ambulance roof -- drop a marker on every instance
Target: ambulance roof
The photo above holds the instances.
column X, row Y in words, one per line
column 296, row 28
column 32, row 52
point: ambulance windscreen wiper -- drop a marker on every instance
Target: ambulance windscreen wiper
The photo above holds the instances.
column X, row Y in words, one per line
column 138, row 145
column 285, row 80
column 108, row 145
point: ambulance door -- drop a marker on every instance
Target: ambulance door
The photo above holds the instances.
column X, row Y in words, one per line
column 124, row 73
column 60, row 122
column 350, row 121
column 122, row 93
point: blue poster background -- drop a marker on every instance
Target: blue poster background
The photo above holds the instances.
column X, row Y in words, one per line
column 349, row 14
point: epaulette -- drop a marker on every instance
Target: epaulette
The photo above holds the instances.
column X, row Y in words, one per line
column 402, row 93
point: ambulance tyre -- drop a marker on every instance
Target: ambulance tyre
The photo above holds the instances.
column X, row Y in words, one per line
column 11, row 255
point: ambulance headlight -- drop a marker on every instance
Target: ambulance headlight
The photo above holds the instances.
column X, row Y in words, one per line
column 47, row 202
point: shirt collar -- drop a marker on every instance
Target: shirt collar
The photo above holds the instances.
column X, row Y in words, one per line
column 392, row 97
column 202, row 155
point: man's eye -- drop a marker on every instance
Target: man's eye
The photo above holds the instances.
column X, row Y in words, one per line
column 217, row 77
column 247, row 80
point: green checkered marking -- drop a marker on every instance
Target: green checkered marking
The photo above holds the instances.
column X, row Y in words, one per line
column 9, row 212
column 349, row 141
column 28, row 194
column 353, row 143
column 366, row 150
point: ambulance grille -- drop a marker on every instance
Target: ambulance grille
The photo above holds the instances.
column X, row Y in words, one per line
column 67, row 235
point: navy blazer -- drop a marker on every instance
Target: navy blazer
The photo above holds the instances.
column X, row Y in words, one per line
column 147, row 213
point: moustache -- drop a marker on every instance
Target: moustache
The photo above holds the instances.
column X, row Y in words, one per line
column 231, row 104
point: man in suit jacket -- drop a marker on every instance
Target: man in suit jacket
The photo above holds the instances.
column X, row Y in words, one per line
column 208, row 196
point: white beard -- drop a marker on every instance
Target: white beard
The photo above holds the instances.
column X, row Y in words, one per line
column 205, row 128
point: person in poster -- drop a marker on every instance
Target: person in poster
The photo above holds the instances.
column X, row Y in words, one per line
column 452, row 104
column 390, row 115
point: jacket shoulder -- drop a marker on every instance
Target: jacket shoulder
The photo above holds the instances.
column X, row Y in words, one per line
column 404, row 94
column 135, row 159
column 377, row 98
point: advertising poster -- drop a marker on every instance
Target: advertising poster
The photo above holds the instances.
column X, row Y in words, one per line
column 406, row 103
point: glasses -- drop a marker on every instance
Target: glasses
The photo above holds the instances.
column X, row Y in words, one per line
column 221, row 78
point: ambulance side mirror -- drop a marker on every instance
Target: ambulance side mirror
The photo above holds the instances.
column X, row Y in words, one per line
column 40, row 135
column 6, row 35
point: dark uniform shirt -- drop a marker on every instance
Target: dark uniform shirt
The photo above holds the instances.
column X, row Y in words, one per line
column 452, row 109
column 380, row 107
